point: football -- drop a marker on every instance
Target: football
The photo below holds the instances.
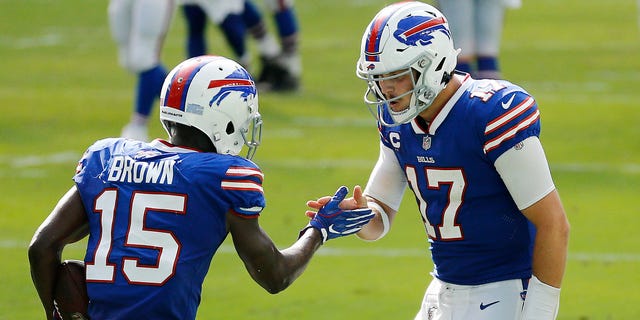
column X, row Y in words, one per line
column 70, row 295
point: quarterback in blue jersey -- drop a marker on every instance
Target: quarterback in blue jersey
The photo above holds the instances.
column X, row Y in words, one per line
column 156, row 212
column 470, row 152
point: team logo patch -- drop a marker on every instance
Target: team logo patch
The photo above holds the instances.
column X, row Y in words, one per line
column 431, row 312
column 418, row 30
column 519, row 145
column 426, row 142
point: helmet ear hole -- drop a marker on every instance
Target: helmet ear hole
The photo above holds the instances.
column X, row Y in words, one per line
column 230, row 128
column 441, row 64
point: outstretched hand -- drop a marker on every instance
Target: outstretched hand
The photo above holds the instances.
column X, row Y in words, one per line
column 357, row 201
column 338, row 217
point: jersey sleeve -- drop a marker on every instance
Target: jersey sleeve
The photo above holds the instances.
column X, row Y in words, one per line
column 525, row 172
column 513, row 118
column 243, row 183
column 387, row 181
column 90, row 165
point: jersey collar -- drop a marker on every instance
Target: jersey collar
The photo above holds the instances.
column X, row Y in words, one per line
column 164, row 145
column 439, row 119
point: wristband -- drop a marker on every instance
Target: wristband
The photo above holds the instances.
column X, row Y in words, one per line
column 383, row 215
column 542, row 301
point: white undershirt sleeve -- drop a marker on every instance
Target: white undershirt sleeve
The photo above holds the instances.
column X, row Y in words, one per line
column 387, row 181
column 525, row 172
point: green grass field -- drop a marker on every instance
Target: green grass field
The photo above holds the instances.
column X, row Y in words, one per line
column 61, row 88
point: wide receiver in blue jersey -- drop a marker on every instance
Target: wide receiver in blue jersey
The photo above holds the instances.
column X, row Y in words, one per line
column 470, row 152
column 156, row 213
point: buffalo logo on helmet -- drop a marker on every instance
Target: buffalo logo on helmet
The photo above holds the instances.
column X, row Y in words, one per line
column 418, row 30
column 239, row 81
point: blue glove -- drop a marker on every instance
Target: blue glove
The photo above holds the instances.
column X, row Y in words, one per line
column 334, row 222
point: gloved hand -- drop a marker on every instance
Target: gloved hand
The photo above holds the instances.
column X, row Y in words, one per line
column 334, row 222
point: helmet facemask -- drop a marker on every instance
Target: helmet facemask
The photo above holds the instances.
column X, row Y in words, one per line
column 252, row 134
column 422, row 95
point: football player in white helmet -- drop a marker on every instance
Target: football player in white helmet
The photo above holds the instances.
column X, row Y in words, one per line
column 157, row 212
column 139, row 28
column 470, row 152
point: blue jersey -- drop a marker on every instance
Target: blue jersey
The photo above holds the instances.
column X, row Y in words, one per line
column 157, row 216
column 476, row 232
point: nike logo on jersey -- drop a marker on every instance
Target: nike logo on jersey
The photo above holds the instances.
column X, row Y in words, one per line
column 508, row 104
column 484, row 306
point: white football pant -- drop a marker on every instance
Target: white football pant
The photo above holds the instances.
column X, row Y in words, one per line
column 501, row 300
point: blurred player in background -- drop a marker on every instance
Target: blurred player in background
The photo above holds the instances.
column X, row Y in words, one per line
column 470, row 152
column 139, row 28
column 157, row 212
column 280, row 62
column 227, row 15
column 476, row 26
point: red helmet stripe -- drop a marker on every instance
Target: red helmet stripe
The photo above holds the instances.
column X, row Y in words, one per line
column 374, row 39
column 177, row 89
column 375, row 32
column 229, row 82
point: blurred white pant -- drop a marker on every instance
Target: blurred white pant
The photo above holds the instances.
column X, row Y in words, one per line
column 139, row 28
column 476, row 25
column 493, row 301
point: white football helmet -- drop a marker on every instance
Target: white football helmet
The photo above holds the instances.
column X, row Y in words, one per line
column 217, row 96
column 406, row 38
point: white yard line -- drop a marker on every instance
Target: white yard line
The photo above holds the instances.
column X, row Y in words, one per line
column 45, row 40
column 40, row 160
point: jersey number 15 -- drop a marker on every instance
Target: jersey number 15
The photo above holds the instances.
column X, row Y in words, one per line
column 163, row 241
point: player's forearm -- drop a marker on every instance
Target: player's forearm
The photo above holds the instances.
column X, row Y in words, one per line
column 380, row 224
column 280, row 269
column 373, row 230
column 552, row 239
column 549, row 259
column 43, row 264
column 550, row 254
column 298, row 256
